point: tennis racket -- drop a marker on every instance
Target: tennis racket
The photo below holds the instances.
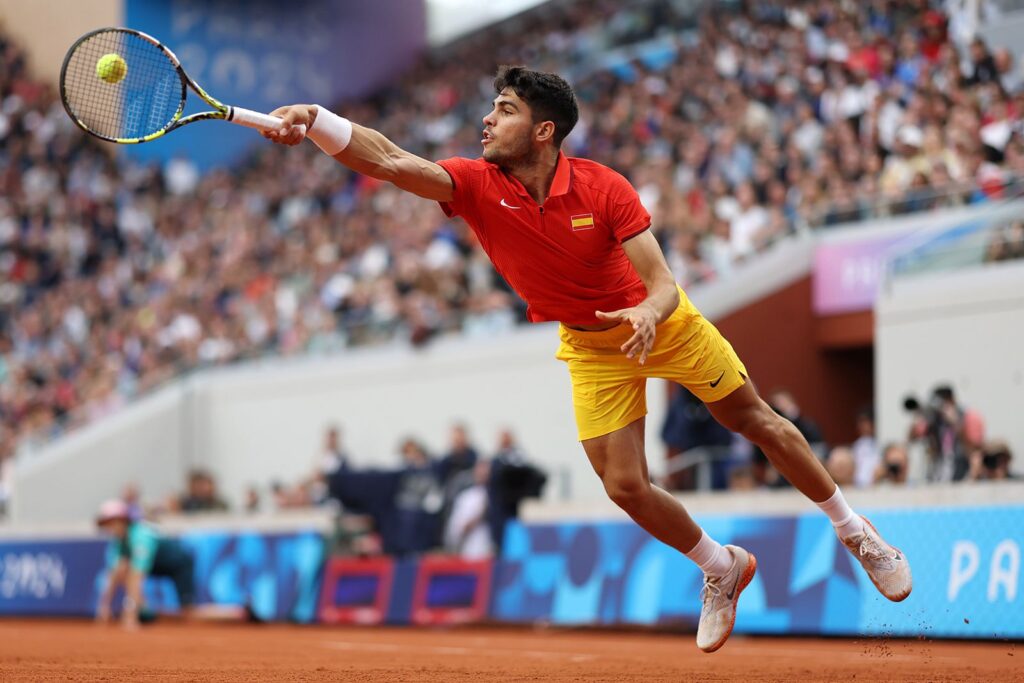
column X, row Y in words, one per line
column 124, row 86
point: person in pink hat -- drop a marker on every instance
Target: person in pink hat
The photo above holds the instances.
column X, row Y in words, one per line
column 136, row 551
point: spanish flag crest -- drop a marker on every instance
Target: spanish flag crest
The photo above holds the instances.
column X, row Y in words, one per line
column 583, row 221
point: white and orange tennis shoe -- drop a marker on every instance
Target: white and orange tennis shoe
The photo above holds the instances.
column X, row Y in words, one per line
column 719, row 596
column 886, row 566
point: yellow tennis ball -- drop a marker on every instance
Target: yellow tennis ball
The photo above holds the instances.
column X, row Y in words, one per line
column 111, row 68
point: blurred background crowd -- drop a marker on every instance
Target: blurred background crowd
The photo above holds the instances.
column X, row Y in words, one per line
column 459, row 500
column 945, row 442
column 738, row 126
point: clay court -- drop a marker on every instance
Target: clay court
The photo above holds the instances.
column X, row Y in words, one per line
column 80, row 651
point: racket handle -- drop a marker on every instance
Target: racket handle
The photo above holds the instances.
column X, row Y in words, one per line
column 254, row 119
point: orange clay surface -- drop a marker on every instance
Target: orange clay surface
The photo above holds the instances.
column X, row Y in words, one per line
column 79, row 651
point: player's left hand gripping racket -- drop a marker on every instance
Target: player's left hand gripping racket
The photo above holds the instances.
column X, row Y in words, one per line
column 124, row 86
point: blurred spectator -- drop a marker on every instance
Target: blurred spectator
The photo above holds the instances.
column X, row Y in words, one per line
column 1009, row 73
column 132, row 499
column 841, row 466
column 783, row 402
column 332, row 458
column 982, row 67
column 461, row 456
column 992, row 462
column 201, row 494
column 418, row 501
column 1007, row 243
column 512, row 480
column 466, row 532
column 893, row 468
column 333, row 455
column 949, row 432
column 865, row 450
column 252, row 503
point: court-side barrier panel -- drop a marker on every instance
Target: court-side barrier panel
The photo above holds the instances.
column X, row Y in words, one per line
column 432, row 590
column 966, row 562
column 966, row 565
column 278, row 575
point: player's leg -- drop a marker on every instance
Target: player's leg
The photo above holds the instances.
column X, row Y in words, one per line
column 609, row 399
column 706, row 364
column 620, row 461
column 744, row 412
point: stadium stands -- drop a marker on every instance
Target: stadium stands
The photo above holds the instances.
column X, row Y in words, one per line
column 737, row 128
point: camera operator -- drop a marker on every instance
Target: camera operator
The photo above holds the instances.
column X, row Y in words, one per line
column 949, row 431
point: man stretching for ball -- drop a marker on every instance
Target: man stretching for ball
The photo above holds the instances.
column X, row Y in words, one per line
column 571, row 237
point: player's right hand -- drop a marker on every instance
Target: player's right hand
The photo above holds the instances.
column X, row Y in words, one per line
column 292, row 117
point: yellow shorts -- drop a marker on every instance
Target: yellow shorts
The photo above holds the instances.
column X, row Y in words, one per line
column 609, row 391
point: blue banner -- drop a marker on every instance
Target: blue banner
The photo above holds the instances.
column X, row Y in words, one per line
column 53, row 578
column 278, row 575
column 260, row 55
column 966, row 564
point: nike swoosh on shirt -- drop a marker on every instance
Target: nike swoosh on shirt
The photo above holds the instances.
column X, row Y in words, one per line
column 508, row 206
column 715, row 383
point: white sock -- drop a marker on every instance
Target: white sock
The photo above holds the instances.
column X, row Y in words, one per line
column 844, row 519
column 710, row 556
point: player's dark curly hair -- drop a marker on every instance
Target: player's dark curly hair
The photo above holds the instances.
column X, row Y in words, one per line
column 549, row 96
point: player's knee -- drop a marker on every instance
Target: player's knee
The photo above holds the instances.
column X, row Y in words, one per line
column 626, row 491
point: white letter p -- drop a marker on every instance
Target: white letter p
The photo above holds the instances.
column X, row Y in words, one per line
column 960, row 572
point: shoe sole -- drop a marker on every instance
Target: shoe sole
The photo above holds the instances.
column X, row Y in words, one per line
column 745, row 579
column 896, row 598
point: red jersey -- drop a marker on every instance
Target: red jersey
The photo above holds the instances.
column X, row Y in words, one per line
column 564, row 258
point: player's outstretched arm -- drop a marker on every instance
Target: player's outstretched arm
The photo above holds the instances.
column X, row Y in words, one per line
column 362, row 149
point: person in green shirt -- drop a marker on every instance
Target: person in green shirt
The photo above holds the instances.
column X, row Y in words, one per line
column 136, row 550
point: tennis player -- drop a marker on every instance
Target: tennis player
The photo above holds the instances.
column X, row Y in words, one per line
column 572, row 238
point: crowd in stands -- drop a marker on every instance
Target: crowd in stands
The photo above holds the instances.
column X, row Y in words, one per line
column 459, row 502
column 758, row 119
column 945, row 442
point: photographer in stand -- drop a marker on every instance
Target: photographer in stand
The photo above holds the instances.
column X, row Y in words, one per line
column 949, row 432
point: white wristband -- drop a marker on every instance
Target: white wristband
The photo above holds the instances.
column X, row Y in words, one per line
column 330, row 132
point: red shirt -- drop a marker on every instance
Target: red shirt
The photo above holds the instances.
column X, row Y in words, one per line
column 565, row 258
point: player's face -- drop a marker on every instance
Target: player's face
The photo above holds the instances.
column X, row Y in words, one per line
column 508, row 129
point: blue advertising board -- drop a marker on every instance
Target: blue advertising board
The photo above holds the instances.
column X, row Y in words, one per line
column 966, row 564
column 278, row 575
column 53, row 578
column 262, row 54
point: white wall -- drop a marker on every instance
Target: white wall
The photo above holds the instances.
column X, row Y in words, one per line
column 965, row 328
column 145, row 444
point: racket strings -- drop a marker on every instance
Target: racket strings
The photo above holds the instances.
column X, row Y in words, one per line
column 145, row 101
